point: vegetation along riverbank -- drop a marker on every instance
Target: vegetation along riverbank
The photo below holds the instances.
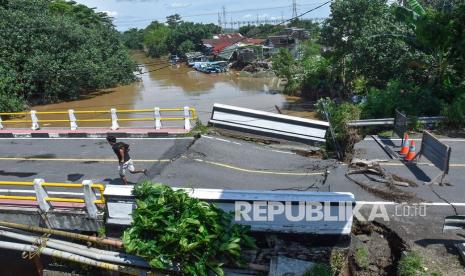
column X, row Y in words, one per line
column 57, row 50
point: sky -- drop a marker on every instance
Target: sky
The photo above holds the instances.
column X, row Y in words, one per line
column 139, row 13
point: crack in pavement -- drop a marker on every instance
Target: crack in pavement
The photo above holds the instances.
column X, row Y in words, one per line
column 173, row 150
column 253, row 171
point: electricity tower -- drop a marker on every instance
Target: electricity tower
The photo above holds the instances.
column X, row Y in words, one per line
column 224, row 17
column 294, row 8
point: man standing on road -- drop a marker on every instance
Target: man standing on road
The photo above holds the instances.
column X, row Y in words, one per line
column 121, row 150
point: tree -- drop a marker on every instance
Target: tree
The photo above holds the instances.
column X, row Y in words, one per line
column 57, row 50
column 358, row 46
column 155, row 38
column 133, row 39
column 189, row 31
column 173, row 20
column 186, row 46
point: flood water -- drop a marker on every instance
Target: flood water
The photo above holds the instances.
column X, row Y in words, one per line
column 165, row 86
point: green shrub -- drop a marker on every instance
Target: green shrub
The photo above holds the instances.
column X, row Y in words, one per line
column 415, row 101
column 170, row 228
column 339, row 116
column 411, row 265
column 319, row 269
column 10, row 103
column 455, row 112
column 361, row 257
column 315, row 76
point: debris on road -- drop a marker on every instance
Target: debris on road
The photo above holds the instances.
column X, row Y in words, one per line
column 390, row 181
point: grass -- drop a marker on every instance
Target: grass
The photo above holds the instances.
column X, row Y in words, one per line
column 198, row 128
column 385, row 133
column 337, row 260
column 101, row 232
column 361, row 257
column 319, row 269
column 412, row 264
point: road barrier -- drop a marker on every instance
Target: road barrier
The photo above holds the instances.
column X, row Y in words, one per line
column 400, row 124
column 436, row 152
column 269, row 124
column 89, row 197
column 188, row 115
column 264, row 211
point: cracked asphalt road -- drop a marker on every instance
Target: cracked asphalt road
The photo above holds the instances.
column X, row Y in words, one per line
column 422, row 232
column 207, row 162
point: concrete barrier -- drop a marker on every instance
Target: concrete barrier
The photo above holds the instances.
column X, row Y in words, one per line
column 265, row 211
column 269, row 124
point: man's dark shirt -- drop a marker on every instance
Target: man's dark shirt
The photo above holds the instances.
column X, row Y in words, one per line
column 117, row 146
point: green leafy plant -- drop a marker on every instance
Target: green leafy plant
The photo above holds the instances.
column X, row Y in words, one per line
column 319, row 269
column 339, row 116
column 171, row 229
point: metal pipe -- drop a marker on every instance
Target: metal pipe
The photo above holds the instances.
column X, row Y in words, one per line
column 71, row 244
column 72, row 257
column 115, row 243
column 86, row 252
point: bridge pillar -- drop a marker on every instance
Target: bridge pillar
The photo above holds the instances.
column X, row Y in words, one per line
column 35, row 120
column 41, row 195
column 90, row 198
column 187, row 118
column 157, row 118
column 1, row 126
column 114, row 119
column 72, row 120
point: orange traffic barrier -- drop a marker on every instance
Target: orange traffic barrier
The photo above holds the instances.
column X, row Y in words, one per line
column 405, row 145
column 411, row 153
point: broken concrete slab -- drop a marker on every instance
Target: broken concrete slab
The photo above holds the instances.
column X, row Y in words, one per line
column 283, row 266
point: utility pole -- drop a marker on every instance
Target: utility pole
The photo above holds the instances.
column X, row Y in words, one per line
column 294, row 8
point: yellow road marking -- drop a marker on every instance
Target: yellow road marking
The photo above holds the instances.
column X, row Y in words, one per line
column 163, row 161
column 78, row 159
column 256, row 171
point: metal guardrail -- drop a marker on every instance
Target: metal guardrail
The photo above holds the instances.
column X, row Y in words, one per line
column 188, row 114
column 268, row 124
column 43, row 199
column 390, row 121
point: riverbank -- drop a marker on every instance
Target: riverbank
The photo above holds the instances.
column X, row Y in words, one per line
column 166, row 86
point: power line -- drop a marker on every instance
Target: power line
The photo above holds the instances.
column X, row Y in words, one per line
column 257, row 32
column 215, row 13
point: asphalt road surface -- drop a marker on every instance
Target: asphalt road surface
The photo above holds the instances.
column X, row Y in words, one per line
column 224, row 163
column 207, row 162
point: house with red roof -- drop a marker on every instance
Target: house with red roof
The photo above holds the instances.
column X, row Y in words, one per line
column 224, row 45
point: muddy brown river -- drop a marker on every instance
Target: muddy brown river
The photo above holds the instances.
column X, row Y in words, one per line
column 165, row 86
